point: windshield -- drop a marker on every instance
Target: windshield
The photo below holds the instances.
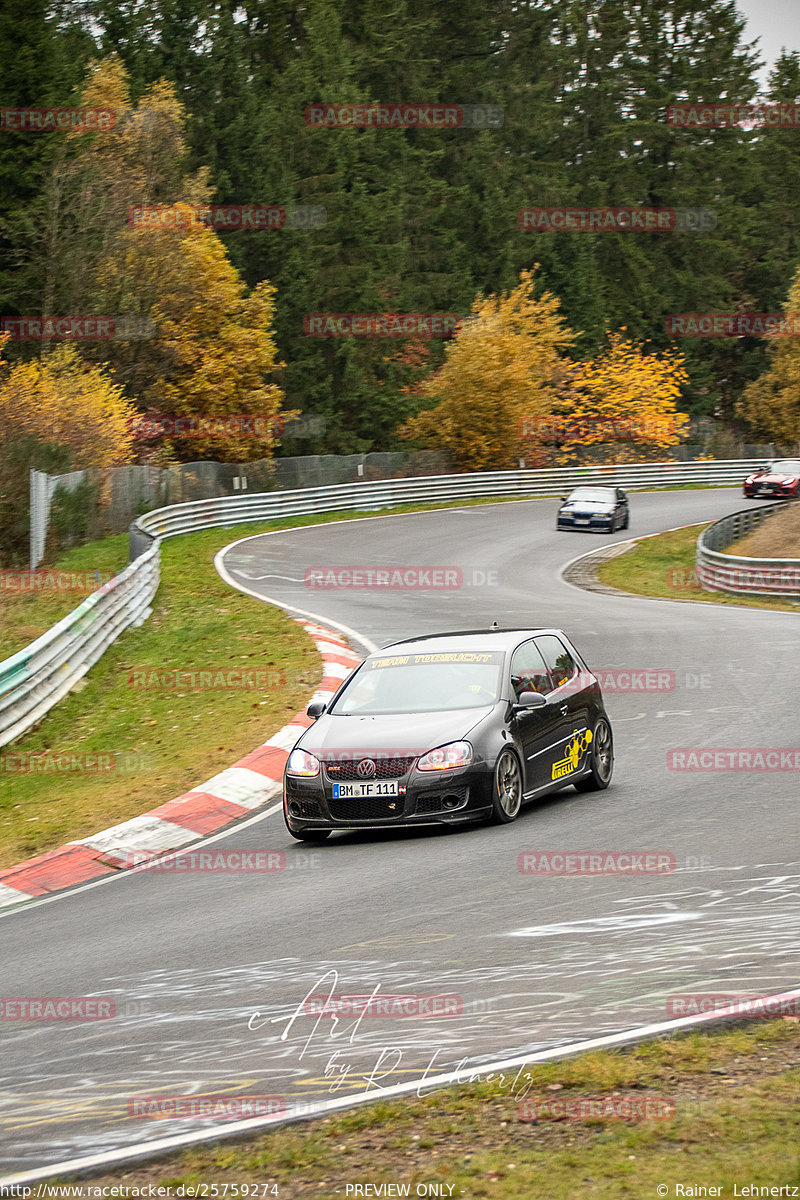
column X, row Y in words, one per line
column 414, row 683
column 785, row 466
column 596, row 495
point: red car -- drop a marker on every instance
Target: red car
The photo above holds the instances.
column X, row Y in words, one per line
column 780, row 478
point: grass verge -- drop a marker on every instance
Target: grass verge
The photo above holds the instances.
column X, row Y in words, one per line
column 736, row 1121
column 777, row 537
column 152, row 745
column 664, row 566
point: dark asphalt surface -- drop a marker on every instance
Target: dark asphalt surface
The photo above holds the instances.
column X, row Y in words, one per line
column 534, row 961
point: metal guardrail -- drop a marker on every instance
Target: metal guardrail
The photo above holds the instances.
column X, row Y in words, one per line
column 35, row 679
column 387, row 493
column 736, row 574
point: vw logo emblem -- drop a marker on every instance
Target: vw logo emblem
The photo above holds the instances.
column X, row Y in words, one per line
column 366, row 768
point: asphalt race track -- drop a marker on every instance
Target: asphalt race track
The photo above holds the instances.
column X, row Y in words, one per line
column 209, row 971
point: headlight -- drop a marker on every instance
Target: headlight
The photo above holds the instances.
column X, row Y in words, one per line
column 302, row 763
column 445, row 758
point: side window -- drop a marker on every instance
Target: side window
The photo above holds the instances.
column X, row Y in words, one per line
column 560, row 663
column 620, row 494
column 528, row 672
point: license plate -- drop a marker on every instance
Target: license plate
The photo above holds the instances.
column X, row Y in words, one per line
column 347, row 791
column 581, row 520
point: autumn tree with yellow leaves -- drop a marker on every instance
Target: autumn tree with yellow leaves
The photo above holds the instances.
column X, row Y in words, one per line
column 620, row 406
column 212, row 348
column 505, row 366
column 509, row 393
column 63, row 400
column 97, row 176
column 125, row 237
column 770, row 405
column 57, row 414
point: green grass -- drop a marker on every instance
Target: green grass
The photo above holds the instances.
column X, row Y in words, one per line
column 664, row 566
column 174, row 738
column 26, row 615
column 736, row 1121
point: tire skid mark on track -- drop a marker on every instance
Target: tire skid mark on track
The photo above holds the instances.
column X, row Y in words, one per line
column 567, row 982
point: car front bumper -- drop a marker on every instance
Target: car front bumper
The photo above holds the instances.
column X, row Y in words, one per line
column 452, row 797
column 603, row 523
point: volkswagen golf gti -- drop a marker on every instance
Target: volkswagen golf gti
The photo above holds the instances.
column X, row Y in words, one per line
column 453, row 728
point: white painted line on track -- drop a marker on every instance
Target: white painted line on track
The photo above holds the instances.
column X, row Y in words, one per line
column 369, row 645
column 306, row 1111
column 224, row 574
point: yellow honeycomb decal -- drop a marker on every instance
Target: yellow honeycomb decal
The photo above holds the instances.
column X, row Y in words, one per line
column 576, row 748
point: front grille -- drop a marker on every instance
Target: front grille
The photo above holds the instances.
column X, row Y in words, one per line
column 434, row 802
column 385, row 768
column 367, row 808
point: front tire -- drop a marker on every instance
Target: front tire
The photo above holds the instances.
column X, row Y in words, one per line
column 602, row 760
column 507, row 788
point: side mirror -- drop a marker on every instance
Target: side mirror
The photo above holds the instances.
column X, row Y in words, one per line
column 562, row 497
column 530, row 700
column 316, row 709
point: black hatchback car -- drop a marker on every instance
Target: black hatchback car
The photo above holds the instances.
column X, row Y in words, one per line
column 452, row 728
column 603, row 508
